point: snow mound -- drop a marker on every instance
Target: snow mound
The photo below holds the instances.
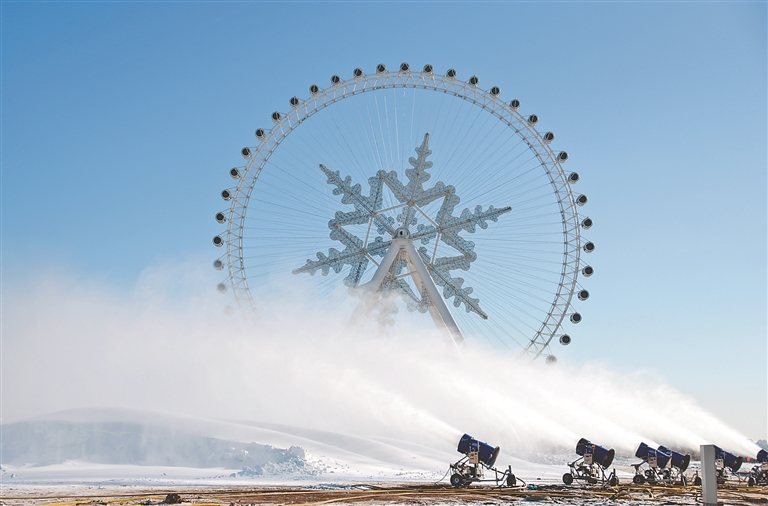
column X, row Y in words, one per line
column 121, row 437
column 46, row 442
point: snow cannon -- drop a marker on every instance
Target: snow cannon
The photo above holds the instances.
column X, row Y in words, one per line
column 725, row 464
column 653, row 469
column 679, row 460
column 758, row 475
column 477, row 457
column 599, row 455
column 723, row 459
column 486, row 453
column 591, row 466
column 656, row 458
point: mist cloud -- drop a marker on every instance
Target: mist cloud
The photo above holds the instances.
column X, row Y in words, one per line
column 167, row 345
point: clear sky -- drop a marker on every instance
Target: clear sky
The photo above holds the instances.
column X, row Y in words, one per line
column 120, row 120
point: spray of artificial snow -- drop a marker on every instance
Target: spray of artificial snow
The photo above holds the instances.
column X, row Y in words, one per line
column 74, row 344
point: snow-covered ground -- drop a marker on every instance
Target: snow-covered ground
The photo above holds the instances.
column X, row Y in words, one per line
column 95, row 448
column 110, row 452
column 138, row 457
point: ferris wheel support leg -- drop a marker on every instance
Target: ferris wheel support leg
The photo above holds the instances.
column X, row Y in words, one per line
column 386, row 263
column 370, row 290
column 422, row 278
column 437, row 308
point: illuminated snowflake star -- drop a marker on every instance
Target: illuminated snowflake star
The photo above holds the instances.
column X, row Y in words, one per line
column 368, row 210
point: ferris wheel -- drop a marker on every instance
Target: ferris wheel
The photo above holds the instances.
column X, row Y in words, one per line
column 410, row 198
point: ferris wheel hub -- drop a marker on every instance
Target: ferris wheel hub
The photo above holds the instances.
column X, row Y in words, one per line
column 402, row 233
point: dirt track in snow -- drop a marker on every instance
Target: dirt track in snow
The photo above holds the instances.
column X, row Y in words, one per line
column 374, row 495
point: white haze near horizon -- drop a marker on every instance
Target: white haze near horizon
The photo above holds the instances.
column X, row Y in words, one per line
column 69, row 343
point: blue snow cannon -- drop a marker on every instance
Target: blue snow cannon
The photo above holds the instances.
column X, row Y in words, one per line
column 758, row 475
column 648, row 454
column 600, row 455
column 662, row 457
column 487, row 454
column 730, row 460
column 679, row 460
column 726, row 463
column 592, row 464
column 653, row 469
column 477, row 457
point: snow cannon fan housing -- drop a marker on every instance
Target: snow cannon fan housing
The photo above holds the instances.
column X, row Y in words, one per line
column 662, row 455
column 730, row 460
column 598, row 454
column 679, row 460
column 486, row 453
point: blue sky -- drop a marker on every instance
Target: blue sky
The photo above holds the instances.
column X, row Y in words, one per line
column 120, row 120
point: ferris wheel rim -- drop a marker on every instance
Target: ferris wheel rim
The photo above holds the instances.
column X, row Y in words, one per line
column 488, row 100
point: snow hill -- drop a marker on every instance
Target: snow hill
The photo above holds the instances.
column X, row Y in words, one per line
column 120, row 437
column 47, row 442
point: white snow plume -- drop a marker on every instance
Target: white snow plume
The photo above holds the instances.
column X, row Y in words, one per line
column 74, row 344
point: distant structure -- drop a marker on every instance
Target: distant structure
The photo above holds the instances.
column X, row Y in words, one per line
column 299, row 206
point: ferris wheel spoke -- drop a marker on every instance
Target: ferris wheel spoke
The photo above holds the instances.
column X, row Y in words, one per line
column 462, row 159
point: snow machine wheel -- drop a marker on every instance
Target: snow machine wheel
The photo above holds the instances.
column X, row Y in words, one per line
column 697, row 482
column 567, row 478
column 751, row 482
column 511, row 480
column 638, row 479
column 456, row 480
column 613, row 481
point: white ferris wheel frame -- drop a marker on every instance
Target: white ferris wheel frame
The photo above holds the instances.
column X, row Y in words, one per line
column 320, row 98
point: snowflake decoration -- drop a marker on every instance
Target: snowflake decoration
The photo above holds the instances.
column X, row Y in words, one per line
column 412, row 197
